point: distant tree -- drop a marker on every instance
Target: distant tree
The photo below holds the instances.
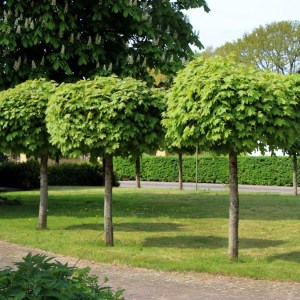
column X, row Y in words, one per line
column 180, row 152
column 153, row 144
column 274, row 47
column 70, row 40
column 207, row 52
column 23, row 129
column 230, row 108
column 108, row 116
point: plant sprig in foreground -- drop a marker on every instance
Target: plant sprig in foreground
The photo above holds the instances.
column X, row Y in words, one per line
column 38, row 277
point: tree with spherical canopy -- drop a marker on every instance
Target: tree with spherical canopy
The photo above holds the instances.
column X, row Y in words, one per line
column 231, row 108
column 23, row 129
column 108, row 116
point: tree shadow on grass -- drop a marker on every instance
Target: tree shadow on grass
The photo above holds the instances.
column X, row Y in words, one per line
column 146, row 204
column 132, row 227
column 210, row 242
column 290, row 256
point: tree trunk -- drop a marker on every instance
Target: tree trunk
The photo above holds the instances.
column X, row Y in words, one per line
column 43, row 192
column 295, row 175
column 57, row 157
column 138, row 172
column 108, row 226
column 180, row 174
column 233, row 207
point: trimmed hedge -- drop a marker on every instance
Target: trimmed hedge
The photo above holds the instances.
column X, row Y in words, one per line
column 26, row 175
column 256, row 170
column 263, row 170
column 75, row 174
column 20, row 175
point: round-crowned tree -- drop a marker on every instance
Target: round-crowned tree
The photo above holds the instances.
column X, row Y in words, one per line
column 23, row 128
column 108, row 116
column 231, row 108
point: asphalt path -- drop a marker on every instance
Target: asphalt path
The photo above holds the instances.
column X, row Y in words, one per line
column 143, row 284
column 198, row 186
column 209, row 187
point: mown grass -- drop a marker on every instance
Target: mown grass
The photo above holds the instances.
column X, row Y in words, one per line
column 163, row 229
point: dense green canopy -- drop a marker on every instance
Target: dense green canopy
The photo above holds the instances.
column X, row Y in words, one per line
column 225, row 106
column 22, row 117
column 105, row 115
column 23, row 128
column 71, row 40
column 275, row 47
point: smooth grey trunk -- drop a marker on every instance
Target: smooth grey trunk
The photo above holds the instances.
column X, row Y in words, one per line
column 43, row 192
column 138, row 172
column 295, row 175
column 108, row 226
column 180, row 174
column 233, row 241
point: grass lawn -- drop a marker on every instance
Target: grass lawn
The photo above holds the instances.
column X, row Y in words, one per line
column 163, row 229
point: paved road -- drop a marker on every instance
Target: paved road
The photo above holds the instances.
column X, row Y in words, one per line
column 199, row 186
column 142, row 284
column 210, row 186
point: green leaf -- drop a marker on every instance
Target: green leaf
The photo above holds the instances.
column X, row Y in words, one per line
column 82, row 60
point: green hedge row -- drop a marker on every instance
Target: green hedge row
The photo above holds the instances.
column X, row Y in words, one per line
column 252, row 170
column 19, row 175
column 263, row 170
column 26, row 175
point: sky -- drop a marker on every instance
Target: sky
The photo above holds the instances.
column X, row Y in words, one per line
column 228, row 20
